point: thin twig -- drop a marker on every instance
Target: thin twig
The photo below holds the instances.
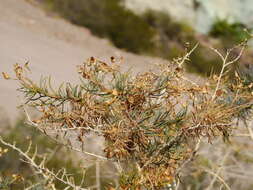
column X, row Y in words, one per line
column 187, row 55
column 249, row 129
column 41, row 169
column 224, row 65
column 31, row 123
column 98, row 175
column 216, row 174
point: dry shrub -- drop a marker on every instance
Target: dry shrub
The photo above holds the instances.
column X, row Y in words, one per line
column 151, row 122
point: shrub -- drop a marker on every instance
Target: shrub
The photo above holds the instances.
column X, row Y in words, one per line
column 108, row 19
column 169, row 28
column 151, row 122
column 170, row 34
column 229, row 33
column 153, row 32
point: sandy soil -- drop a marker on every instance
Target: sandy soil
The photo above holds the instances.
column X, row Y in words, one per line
column 52, row 45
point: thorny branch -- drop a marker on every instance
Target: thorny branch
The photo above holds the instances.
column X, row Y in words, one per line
column 61, row 176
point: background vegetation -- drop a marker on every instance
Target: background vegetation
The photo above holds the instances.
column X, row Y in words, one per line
column 108, row 19
column 229, row 33
column 154, row 32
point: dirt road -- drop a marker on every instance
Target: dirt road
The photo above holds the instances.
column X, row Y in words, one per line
column 52, row 45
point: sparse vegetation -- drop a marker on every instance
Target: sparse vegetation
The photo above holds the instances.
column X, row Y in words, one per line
column 108, row 19
column 17, row 174
column 154, row 32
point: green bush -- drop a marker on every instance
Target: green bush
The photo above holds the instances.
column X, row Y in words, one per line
column 167, row 27
column 229, row 33
column 108, row 19
column 170, row 35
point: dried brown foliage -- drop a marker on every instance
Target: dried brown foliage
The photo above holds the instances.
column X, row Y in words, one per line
column 150, row 121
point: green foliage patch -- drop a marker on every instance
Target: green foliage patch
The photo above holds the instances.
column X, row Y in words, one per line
column 229, row 33
column 108, row 19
